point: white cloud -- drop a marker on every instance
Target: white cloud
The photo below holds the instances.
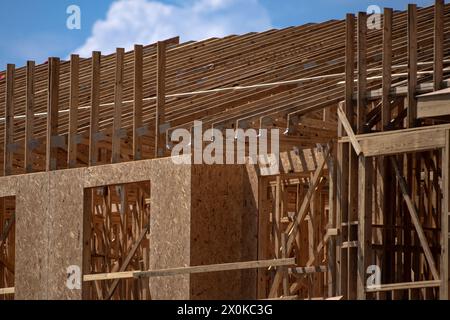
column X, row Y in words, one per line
column 144, row 21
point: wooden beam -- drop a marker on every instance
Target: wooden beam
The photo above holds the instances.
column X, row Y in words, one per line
column 348, row 129
column 52, row 114
column 73, row 111
column 160, row 141
column 191, row 270
column 412, row 65
column 5, row 291
column 118, row 97
column 361, row 108
column 29, row 117
column 9, row 120
column 364, row 222
column 433, row 105
column 438, row 65
column 387, row 67
column 415, row 220
column 401, row 141
column 444, row 263
column 403, row 286
column 137, row 105
column 95, row 104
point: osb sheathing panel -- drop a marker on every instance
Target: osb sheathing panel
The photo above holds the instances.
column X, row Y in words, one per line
column 49, row 211
column 223, row 227
column 169, row 229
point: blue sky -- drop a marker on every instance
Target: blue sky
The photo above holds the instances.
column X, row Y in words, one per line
column 36, row 29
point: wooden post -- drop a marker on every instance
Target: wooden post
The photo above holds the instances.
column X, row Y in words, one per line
column 364, row 222
column 352, row 183
column 387, row 67
column 87, row 217
column 160, row 141
column 343, row 160
column 362, row 72
column 29, row 117
column 9, row 120
column 137, row 106
column 332, row 223
column 95, row 103
column 52, row 114
column 412, row 65
column 444, row 272
column 73, row 111
column 438, row 65
column 118, row 95
column 386, row 182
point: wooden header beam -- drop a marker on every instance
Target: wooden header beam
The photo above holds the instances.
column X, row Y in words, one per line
column 401, row 141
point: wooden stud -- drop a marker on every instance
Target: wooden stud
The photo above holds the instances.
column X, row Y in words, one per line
column 362, row 73
column 387, row 67
column 137, row 106
column 364, row 223
column 438, row 65
column 118, row 95
column 445, row 215
column 331, row 254
column 349, row 66
column 73, row 111
column 412, row 65
column 9, row 120
column 95, row 103
column 52, row 114
column 29, row 117
column 160, row 141
column 87, row 234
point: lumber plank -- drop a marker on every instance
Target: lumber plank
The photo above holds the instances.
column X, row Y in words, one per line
column 29, row 117
column 95, row 102
column 387, row 67
column 412, row 65
column 137, row 106
column 192, row 270
column 73, row 111
column 348, row 129
column 403, row 286
column 160, row 143
column 118, row 96
column 52, row 114
column 9, row 120
column 444, row 258
column 361, row 105
column 438, row 50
